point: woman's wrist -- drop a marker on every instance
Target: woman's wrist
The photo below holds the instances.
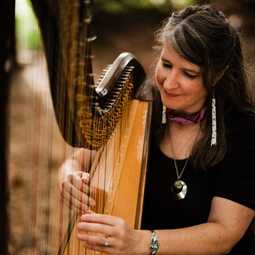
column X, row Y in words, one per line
column 143, row 242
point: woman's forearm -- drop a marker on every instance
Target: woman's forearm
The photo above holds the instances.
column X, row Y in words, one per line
column 203, row 239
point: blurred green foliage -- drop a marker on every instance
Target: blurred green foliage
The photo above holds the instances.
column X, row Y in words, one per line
column 127, row 5
column 27, row 31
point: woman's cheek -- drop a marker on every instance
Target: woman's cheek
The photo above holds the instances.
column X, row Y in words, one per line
column 159, row 78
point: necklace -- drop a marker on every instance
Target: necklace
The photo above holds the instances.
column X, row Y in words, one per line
column 179, row 187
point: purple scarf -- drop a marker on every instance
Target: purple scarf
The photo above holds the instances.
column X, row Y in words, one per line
column 185, row 118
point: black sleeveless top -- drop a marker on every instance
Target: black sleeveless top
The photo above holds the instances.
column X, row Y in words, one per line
column 233, row 178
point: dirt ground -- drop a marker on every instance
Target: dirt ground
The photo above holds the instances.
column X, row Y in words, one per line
column 37, row 149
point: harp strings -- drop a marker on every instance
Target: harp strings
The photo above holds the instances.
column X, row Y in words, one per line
column 84, row 101
column 92, row 124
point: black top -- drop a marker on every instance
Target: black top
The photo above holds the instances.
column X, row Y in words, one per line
column 233, row 178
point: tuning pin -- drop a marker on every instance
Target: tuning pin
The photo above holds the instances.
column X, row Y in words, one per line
column 91, row 39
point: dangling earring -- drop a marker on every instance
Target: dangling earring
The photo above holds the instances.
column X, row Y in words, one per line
column 214, row 120
column 163, row 118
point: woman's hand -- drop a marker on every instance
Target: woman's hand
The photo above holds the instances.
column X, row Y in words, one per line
column 111, row 235
column 74, row 187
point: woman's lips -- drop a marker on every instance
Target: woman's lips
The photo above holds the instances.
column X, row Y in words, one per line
column 171, row 94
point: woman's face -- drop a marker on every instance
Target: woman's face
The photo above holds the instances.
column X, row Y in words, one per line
column 179, row 81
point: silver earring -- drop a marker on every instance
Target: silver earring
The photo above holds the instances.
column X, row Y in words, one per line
column 163, row 119
column 214, row 121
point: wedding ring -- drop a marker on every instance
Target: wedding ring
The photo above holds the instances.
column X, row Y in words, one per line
column 106, row 244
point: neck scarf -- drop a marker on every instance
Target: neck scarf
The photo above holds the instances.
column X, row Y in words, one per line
column 185, row 118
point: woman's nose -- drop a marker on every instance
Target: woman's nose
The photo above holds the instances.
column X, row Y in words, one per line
column 171, row 80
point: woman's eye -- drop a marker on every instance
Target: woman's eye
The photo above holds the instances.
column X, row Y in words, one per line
column 191, row 76
column 166, row 65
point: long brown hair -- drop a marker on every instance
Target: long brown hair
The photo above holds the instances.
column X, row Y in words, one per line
column 203, row 36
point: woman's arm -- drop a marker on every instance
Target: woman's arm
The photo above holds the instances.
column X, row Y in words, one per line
column 226, row 224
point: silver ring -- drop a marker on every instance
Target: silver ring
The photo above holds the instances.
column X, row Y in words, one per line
column 106, row 244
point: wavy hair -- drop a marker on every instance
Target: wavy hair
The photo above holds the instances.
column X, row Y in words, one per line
column 203, row 35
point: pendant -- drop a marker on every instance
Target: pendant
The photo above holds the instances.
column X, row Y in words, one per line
column 179, row 189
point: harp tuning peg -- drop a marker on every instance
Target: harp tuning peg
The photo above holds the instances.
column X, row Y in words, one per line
column 91, row 39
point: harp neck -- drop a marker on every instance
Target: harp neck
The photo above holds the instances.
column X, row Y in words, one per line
column 85, row 32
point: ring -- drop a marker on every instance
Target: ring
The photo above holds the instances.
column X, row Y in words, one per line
column 106, row 244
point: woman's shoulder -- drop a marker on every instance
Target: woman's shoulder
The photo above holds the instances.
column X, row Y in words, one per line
column 240, row 120
column 240, row 127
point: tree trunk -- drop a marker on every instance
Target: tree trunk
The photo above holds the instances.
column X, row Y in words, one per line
column 7, row 56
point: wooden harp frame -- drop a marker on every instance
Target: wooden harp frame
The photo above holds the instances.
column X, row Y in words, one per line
column 70, row 70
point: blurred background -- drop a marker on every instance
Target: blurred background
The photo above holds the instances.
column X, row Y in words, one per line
column 35, row 146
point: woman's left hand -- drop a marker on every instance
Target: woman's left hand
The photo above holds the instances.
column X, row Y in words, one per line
column 111, row 235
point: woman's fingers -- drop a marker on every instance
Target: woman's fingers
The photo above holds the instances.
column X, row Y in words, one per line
column 106, row 225
column 105, row 233
column 78, row 182
column 97, row 242
column 75, row 196
column 85, row 177
column 81, row 208
column 76, row 188
column 103, row 219
column 77, row 199
column 106, row 230
column 81, row 181
column 79, row 175
column 78, row 179
column 75, row 204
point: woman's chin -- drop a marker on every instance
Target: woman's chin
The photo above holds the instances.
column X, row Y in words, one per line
column 173, row 106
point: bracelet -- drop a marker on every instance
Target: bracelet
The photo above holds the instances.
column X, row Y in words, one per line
column 154, row 243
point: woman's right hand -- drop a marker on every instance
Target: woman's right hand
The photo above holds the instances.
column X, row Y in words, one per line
column 74, row 187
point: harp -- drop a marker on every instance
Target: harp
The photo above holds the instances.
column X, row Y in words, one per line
column 102, row 116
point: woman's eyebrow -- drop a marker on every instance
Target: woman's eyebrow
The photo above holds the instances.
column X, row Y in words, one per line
column 165, row 60
column 184, row 68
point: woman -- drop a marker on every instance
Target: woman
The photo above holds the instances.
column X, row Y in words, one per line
column 200, row 192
